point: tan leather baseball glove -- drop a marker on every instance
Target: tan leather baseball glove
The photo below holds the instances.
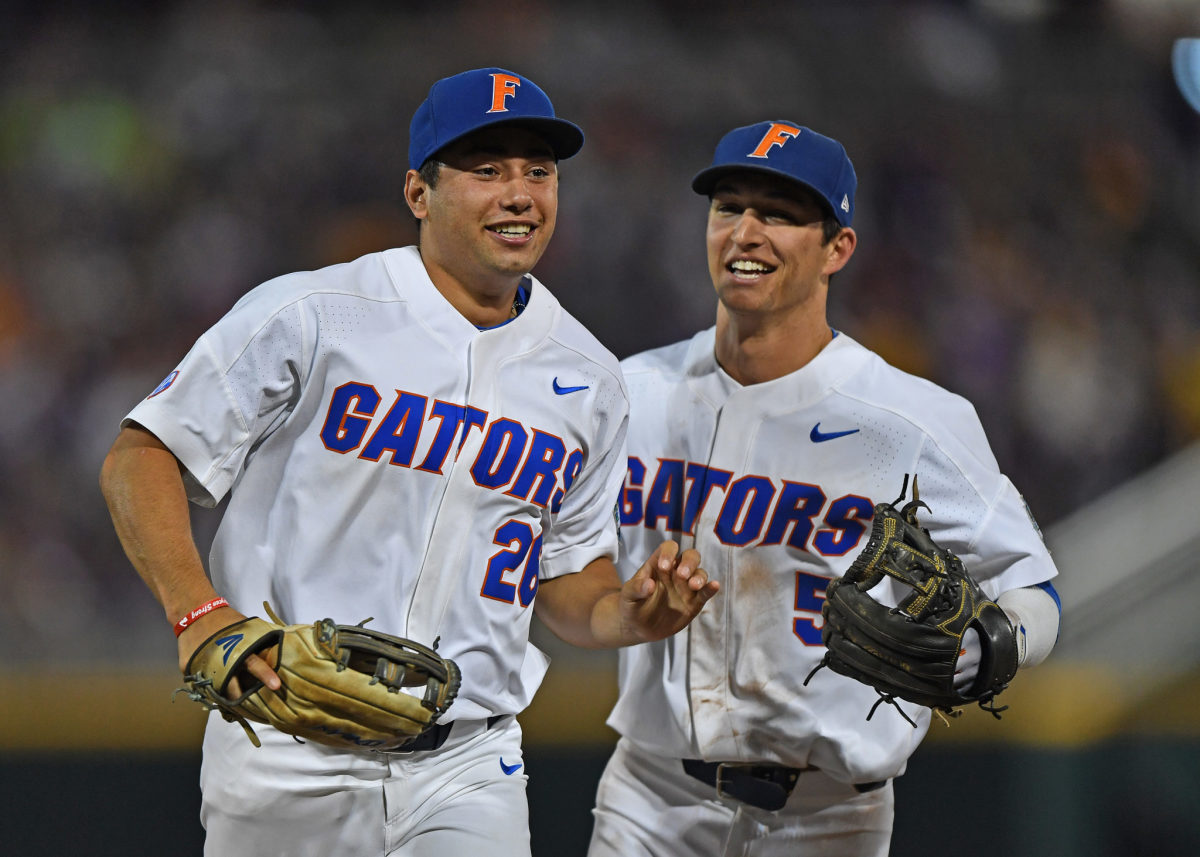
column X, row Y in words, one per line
column 343, row 685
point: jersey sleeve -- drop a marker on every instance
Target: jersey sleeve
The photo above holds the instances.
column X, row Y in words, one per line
column 1012, row 552
column 237, row 385
column 585, row 528
column 976, row 512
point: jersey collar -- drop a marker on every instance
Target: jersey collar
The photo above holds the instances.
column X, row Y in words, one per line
column 430, row 306
column 837, row 361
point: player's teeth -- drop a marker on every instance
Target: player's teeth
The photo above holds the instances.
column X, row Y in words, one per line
column 513, row 230
column 747, row 267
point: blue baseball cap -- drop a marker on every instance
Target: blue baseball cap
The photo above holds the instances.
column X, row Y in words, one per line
column 790, row 151
column 459, row 105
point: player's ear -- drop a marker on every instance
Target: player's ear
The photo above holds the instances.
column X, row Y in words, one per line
column 840, row 249
column 416, row 194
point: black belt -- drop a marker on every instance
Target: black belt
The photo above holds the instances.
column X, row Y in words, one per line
column 764, row 786
column 435, row 736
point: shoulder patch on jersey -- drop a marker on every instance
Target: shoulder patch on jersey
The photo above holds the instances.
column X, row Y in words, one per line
column 1037, row 529
column 164, row 384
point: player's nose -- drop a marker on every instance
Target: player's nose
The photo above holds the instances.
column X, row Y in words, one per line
column 515, row 196
column 747, row 232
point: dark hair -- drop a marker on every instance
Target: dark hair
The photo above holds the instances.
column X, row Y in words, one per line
column 431, row 171
column 830, row 227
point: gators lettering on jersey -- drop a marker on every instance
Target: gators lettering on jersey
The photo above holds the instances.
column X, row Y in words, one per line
column 775, row 485
column 755, row 510
column 533, row 465
column 377, row 447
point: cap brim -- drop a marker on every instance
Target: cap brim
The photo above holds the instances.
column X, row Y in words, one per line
column 565, row 138
column 706, row 180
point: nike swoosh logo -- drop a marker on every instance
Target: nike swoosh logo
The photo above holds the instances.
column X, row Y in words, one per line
column 562, row 391
column 818, row 436
column 509, row 770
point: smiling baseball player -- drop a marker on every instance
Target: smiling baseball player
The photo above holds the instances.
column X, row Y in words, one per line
column 422, row 437
column 766, row 442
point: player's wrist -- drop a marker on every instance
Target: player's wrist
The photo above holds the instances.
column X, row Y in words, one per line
column 188, row 619
column 203, row 629
column 1018, row 632
column 1034, row 615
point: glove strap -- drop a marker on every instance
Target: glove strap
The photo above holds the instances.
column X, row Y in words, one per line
column 208, row 607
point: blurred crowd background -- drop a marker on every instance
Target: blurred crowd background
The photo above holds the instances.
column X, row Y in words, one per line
column 1028, row 215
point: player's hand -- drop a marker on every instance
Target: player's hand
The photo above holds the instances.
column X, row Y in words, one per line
column 194, row 636
column 667, row 593
column 969, row 658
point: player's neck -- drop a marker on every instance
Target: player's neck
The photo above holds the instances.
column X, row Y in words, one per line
column 485, row 302
column 754, row 349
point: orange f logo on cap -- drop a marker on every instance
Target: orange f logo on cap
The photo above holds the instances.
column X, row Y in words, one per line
column 776, row 135
column 503, row 86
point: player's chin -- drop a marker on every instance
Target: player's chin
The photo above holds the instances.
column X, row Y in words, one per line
column 741, row 296
column 519, row 258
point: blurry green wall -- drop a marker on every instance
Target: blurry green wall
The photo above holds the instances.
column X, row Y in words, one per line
column 106, row 764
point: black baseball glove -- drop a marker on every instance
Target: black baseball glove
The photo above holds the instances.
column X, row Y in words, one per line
column 911, row 651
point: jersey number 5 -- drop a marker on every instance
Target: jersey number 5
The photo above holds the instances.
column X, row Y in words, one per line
column 810, row 596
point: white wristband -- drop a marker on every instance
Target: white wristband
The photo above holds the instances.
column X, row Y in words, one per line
column 1034, row 615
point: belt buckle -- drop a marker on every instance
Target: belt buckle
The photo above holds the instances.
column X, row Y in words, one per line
column 724, row 771
column 755, row 791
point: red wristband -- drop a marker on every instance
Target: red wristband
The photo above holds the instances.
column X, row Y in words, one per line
column 183, row 623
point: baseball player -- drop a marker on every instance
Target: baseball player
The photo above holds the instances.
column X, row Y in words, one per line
column 422, row 436
column 765, row 442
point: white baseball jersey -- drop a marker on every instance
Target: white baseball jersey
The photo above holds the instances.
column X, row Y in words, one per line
column 388, row 459
column 775, row 484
